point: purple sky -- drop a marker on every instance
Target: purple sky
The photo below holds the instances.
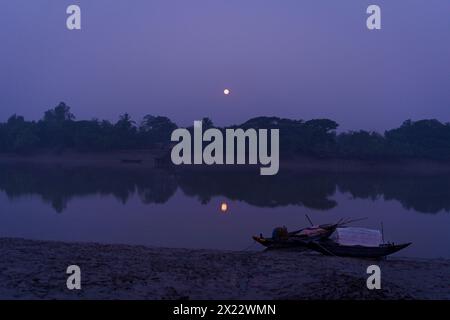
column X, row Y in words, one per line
column 288, row 58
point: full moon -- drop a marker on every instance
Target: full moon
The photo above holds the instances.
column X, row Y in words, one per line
column 223, row 207
column 226, row 92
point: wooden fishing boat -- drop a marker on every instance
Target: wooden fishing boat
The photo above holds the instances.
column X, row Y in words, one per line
column 331, row 248
column 291, row 242
column 356, row 242
column 299, row 238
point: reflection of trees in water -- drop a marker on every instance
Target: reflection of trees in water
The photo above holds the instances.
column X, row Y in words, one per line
column 422, row 193
column 58, row 185
column 311, row 191
column 159, row 189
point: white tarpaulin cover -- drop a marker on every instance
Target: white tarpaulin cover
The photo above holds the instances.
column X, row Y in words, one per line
column 357, row 236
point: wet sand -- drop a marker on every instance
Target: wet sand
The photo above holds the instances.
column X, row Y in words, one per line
column 37, row 270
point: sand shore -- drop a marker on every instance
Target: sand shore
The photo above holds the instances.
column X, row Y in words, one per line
column 37, row 270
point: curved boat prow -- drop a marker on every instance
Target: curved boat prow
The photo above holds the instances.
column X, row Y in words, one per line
column 396, row 248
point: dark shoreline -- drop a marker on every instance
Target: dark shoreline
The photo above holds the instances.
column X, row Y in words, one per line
column 37, row 270
column 146, row 159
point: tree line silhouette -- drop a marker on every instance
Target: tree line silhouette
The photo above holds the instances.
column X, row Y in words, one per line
column 59, row 131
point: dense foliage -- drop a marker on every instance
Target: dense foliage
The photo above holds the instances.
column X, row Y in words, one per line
column 58, row 131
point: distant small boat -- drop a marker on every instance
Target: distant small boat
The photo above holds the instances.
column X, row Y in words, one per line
column 131, row 161
column 356, row 242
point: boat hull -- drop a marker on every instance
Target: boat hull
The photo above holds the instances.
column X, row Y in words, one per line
column 278, row 244
column 334, row 249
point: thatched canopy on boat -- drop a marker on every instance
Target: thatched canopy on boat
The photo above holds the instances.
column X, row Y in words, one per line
column 357, row 236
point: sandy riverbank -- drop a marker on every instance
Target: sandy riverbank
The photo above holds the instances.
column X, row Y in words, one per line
column 36, row 270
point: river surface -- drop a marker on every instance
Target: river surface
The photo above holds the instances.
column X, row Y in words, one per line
column 133, row 205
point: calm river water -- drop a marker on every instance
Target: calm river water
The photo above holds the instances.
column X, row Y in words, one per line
column 183, row 209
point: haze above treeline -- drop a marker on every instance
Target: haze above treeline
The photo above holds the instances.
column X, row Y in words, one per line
column 59, row 131
column 293, row 59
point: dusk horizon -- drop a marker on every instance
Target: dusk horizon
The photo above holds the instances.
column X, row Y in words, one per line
column 186, row 123
column 294, row 59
